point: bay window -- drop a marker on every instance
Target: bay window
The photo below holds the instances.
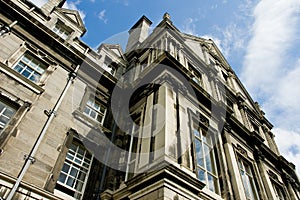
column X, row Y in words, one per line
column 206, row 166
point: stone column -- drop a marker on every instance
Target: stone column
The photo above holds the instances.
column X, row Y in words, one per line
column 233, row 169
column 262, row 177
column 242, row 107
column 289, row 181
column 228, row 193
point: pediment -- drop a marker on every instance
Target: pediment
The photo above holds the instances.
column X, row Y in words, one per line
column 72, row 15
column 115, row 48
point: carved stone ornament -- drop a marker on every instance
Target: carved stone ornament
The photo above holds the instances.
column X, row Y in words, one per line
column 227, row 127
column 259, row 155
column 241, row 150
column 204, row 120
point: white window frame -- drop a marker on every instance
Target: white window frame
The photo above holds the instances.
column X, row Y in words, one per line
column 94, row 107
column 30, row 66
column 279, row 191
column 3, row 113
column 200, row 135
column 62, row 31
column 133, row 146
column 248, row 179
column 76, row 161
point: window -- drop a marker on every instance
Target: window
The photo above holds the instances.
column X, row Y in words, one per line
column 133, row 149
column 248, row 179
column 197, row 78
column 61, row 30
column 95, row 110
column 278, row 191
column 205, row 159
column 74, row 173
column 144, row 64
column 30, row 67
column 7, row 111
column 109, row 66
column 225, row 76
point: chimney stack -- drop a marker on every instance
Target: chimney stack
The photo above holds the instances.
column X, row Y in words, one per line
column 51, row 4
column 138, row 33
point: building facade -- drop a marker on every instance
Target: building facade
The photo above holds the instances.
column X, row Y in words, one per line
column 167, row 118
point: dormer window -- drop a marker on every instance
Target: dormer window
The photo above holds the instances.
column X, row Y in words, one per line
column 109, row 66
column 225, row 76
column 62, row 30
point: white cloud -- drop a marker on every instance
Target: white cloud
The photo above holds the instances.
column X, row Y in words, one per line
column 73, row 6
column 126, row 2
column 288, row 143
column 233, row 38
column 102, row 17
column 273, row 33
column 190, row 27
column 39, row 3
column 213, row 7
column 271, row 71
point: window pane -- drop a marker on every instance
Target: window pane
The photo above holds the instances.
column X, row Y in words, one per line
column 206, row 167
column 73, row 172
column 87, row 110
column 204, row 136
column 6, row 113
column 252, row 188
column 207, row 158
column 196, row 133
column 62, row 178
column 79, row 186
column 65, row 168
column 201, row 175
column 99, row 118
column 199, row 153
column 4, row 119
column 80, row 152
column 30, row 67
column 70, row 181
column 248, row 181
column 81, row 176
column 61, row 31
column 212, row 183
column 95, row 109
column 93, row 114
column 19, row 67
column 73, row 147
column 27, row 72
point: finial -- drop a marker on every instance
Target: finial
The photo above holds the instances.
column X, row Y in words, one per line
column 167, row 16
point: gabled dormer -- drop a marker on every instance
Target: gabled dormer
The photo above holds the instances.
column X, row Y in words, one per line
column 65, row 23
column 112, row 59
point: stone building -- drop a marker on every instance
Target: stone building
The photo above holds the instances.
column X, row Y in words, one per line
column 165, row 119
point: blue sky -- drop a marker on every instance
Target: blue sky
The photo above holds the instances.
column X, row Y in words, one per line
column 259, row 38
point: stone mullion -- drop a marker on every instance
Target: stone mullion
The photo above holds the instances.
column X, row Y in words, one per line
column 235, row 182
column 228, row 193
column 290, row 189
column 243, row 108
column 261, row 176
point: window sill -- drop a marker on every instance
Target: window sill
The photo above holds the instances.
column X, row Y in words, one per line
column 89, row 121
column 21, row 79
column 211, row 194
